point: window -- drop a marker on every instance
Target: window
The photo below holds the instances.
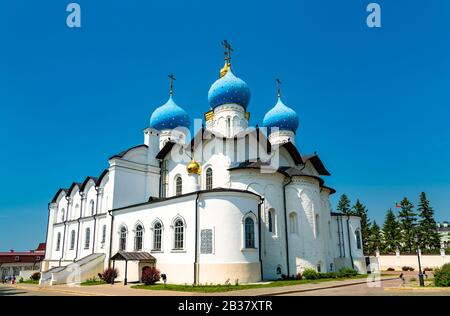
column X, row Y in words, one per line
column 87, row 238
column 62, row 215
column 103, row 234
column 58, row 241
column 271, row 220
column 317, row 226
column 178, row 186
column 209, row 179
column 278, row 270
column 138, row 238
column 249, row 233
column 179, row 234
column 293, row 223
column 319, row 267
column 76, row 212
column 72, row 239
column 16, row 258
column 123, row 239
column 157, row 233
column 358, row 239
column 92, row 207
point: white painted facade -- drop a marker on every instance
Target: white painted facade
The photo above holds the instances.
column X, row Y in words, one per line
column 270, row 183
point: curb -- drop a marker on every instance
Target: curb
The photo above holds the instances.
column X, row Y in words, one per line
column 322, row 288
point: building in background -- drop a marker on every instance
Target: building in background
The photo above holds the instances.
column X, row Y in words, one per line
column 22, row 264
column 444, row 232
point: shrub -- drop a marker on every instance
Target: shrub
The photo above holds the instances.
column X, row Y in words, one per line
column 446, row 267
column 347, row 273
column 407, row 268
column 442, row 276
column 150, row 275
column 311, row 274
column 390, row 269
column 328, row 275
column 428, row 269
column 298, row 276
column 109, row 275
column 35, row 276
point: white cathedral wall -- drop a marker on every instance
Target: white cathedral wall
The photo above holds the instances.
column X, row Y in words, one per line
column 220, row 211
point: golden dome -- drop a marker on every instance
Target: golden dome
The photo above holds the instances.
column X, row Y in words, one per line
column 225, row 69
column 194, row 167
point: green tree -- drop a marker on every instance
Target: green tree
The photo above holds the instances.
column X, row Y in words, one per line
column 375, row 238
column 344, row 205
column 391, row 232
column 407, row 219
column 360, row 210
column 427, row 229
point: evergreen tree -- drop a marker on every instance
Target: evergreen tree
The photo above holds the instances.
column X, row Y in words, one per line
column 344, row 205
column 391, row 232
column 407, row 219
column 374, row 239
column 360, row 210
column 427, row 229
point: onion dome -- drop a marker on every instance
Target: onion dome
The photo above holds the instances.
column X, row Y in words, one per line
column 281, row 117
column 194, row 167
column 229, row 89
column 169, row 116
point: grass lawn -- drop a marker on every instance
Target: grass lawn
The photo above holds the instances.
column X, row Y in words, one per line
column 30, row 282
column 226, row 288
column 92, row 282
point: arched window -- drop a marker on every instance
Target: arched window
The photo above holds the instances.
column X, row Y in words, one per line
column 272, row 221
column 58, row 240
column 179, row 234
column 157, row 234
column 179, row 186
column 62, row 215
column 123, row 239
column 87, row 238
column 138, row 238
column 72, row 239
column 92, row 207
column 293, row 223
column 358, row 239
column 103, row 234
column 209, row 179
column 317, row 224
column 249, row 230
column 319, row 267
column 76, row 212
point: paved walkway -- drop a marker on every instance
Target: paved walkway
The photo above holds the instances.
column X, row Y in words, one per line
column 120, row 290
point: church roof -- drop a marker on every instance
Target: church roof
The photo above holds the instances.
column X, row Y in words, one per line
column 86, row 181
column 123, row 153
column 55, row 197
column 317, row 163
column 229, row 90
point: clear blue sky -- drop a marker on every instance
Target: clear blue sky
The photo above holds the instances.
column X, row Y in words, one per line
column 374, row 103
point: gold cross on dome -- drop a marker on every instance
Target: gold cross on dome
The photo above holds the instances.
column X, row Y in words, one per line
column 228, row 49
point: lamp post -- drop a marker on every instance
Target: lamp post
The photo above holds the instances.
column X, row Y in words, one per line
column 421, row 282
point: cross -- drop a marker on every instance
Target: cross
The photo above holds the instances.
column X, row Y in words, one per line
column 171, row 79
column 279, row 89
column 229, row 49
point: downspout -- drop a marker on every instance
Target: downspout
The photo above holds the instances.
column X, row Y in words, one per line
column 285, row 224
column 261, row 201
column 78, row 229
column 196, row 241
column 349, row 242
column 64, row 233
column 110, row 237
column 160, row 178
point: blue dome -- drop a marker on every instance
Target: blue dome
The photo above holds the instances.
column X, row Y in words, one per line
column 169, row 116
column 229, row 89
column 282, row 117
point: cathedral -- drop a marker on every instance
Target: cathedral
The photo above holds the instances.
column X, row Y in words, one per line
column 231, row 203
